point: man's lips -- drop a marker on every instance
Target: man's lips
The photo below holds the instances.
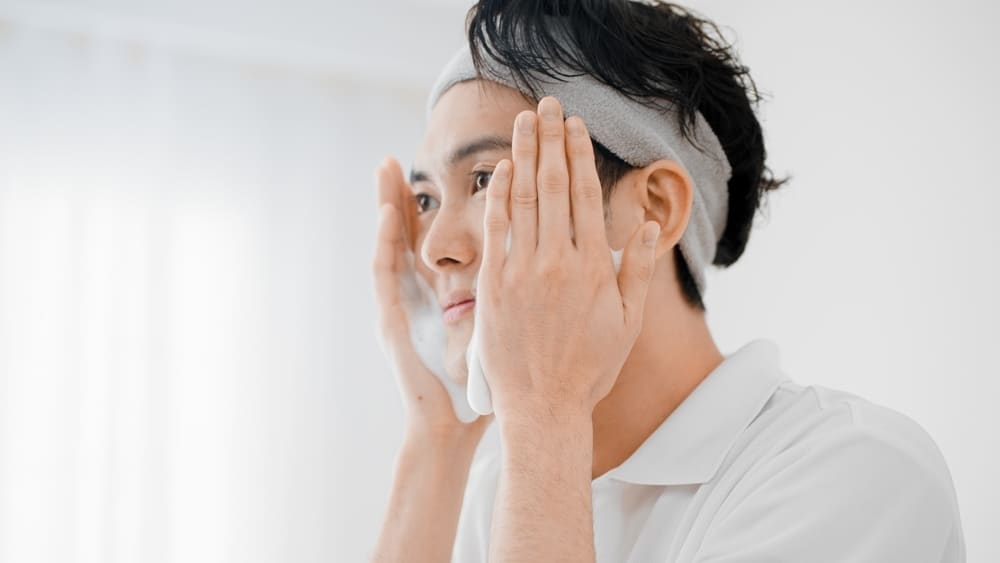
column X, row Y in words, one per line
column 457, row 310
column 456, row 297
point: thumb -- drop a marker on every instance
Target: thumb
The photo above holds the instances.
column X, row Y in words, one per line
column 638, row 264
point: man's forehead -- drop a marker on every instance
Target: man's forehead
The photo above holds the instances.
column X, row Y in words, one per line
column 482, row 96
column 470, row 117
column 471, row 108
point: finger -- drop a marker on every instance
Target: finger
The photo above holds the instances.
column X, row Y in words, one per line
column 388, row 258
column 552, row 178
column 524, row 196
column 391, row 272
column 496, row 221
column 638, row 265
column 393, row 188
column 585, row 189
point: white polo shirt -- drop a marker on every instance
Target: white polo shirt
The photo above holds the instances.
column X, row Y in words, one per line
column 753, row 467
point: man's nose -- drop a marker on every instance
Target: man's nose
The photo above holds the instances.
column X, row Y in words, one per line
column 451, row 241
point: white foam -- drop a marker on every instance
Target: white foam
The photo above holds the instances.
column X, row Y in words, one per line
column 427, row 331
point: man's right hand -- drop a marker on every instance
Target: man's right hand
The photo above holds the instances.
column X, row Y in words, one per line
column 432, row 466
column 429, row 411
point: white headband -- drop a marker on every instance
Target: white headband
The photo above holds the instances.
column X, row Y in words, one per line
column 636, row 133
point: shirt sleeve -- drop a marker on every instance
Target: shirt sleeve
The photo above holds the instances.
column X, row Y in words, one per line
column 847, row 495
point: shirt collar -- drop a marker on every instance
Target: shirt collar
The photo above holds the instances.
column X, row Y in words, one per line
column 690, row 445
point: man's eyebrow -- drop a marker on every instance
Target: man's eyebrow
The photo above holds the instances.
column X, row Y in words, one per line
column 482, row 144
column 417, row 176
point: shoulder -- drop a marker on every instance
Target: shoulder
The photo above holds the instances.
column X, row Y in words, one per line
column 815, row 420
column 815, row 433
column 842, row 471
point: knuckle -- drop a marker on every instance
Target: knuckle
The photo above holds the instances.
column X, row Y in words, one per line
column 552, row 187
column 496, row 224
column 552, row 270
column 644, row 271
column 553, row 182
column 552, row 132
column 578, row 146
column 510, row 285
column 525, row 149
column 589, row 191
column 524, row 199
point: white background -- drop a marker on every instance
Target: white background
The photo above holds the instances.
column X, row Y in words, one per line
column 188, row 370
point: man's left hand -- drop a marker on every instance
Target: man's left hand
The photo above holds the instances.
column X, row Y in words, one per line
column 558, row 322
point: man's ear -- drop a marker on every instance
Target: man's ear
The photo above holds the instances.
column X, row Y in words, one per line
column 666, row 193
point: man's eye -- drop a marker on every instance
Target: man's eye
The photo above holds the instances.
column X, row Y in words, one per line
column 425, row 202
column 483, row 179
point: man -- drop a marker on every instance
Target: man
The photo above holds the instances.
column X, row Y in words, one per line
column 624, row 433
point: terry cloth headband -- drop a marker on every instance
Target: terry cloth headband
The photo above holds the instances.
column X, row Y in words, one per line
column 636, row 133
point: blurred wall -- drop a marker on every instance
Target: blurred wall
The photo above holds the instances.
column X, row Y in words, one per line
column 188, row 370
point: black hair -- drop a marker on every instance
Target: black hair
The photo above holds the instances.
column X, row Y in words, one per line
column 655, row 53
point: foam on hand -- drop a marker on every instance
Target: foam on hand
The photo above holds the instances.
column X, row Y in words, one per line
column 427, row 331
column 478, row 390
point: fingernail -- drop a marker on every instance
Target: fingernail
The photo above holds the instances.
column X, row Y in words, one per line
column 574, row 125
column 650, row 234
column 526, row 123
column 549, row 108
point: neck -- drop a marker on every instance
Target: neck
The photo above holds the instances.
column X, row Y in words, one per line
column 673, row 354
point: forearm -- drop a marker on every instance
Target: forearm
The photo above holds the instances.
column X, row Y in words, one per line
column 426, row 499
column 543, row 506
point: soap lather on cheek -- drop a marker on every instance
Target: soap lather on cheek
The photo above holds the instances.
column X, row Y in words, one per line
column 427, row 331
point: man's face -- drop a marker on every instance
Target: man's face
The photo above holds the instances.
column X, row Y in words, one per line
column 469, row 132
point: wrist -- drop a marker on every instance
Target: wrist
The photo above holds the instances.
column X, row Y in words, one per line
column 530, row 428
column 531, row 414
column 554, row 445
column 444, row 439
